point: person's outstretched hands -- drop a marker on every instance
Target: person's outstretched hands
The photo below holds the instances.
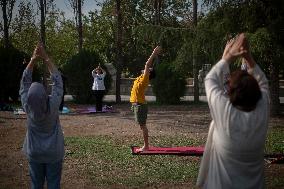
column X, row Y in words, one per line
column 235, row 48
column 35, row 54
column 157, row 51
column 247, row 56
column 43, row 54
column 41, row 51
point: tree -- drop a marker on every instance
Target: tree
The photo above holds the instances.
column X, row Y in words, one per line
column 99, row 34
column 62, row 37
column 24, row 32
column 157, row 8
column 169, row 85
column 275, row 25
column 7, row 12
column 60, row 33
column 43, row 8
column 255, row 17
column 77, row 8
column 194, row 61
column 118, row 50
column 10, row 73
column 80, row 31
column 165, row 13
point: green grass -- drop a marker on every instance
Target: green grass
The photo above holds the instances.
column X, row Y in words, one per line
column 109, row 161
column 275, row 144
column 275, row 140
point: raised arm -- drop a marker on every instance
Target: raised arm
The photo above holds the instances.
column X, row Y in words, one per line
column 94, row 72
column 254, row 69
column 57, row 87
column 104, row 72
column 236, row 47
column 47, row 60
column 26, row 80
column 216, row 79
column 149, row 63
column 34, row 57
column 218, row 76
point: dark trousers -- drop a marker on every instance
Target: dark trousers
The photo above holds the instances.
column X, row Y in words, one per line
column 99, row 94
column 62, row 103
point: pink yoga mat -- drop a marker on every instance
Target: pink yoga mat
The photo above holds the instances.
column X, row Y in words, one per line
column 195, row 151
column 181, row 150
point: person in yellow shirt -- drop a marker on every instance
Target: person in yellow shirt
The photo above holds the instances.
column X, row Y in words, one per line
column 137, row 98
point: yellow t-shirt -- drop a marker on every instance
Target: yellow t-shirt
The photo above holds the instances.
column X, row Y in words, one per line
column 138, row 89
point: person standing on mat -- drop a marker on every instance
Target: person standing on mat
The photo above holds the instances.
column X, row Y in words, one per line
column 137, row 98
column 234, row 151
column 99, row 87
column 44, row 141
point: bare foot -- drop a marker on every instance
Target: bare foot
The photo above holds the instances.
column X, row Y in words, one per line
column 143, row 149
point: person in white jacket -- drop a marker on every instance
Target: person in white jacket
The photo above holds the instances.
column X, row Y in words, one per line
column 234, row 151
column 99, row 86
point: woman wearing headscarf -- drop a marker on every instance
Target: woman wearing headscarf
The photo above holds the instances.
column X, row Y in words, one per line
column 44, row 141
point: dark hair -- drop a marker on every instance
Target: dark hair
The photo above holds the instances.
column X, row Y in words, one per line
column 244, row 91
column 152, row 74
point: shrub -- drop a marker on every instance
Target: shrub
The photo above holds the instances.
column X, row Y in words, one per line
column 168, row 85
column 11, row 69
column 79, row 78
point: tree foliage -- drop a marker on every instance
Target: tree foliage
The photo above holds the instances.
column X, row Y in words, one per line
column 11, row 69
column 168, row 85
column 261, row 20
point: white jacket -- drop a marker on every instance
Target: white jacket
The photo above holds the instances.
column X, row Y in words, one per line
column 98, row 81
column 234, row 151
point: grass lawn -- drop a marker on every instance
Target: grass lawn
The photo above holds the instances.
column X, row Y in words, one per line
column 108, row 161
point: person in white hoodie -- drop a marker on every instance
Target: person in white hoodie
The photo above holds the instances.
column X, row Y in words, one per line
column 234, row 153
column 99, row 86
column 44, row 141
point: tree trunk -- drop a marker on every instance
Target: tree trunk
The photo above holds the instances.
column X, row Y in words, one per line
column 274, row 89
column 6, row 27
column 194, row 61
column 42, row 36
column 42, row 21
column 80, row 30
column 157, row 10
column 118, row 51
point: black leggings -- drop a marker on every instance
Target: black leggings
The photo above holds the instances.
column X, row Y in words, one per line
column 99, row 94
column 62, row 103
